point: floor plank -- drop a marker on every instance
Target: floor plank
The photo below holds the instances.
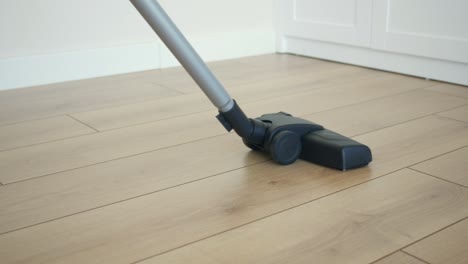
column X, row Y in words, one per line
column 27, row 104
column 452, row 167
column 87, row 150
column 451, row 89
column 376, row 114
column 40, row 131
column 151, row 224
column 460, row 113
column 358, row 225
column 400, row 258
column 446, row 246
column 46, row 198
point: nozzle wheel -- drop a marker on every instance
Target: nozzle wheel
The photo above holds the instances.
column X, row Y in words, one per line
column 285, row 147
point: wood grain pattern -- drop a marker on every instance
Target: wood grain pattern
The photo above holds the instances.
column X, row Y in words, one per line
column 150, row 224
column 460, row 113
column 400, row 258
column 358, row 225
column 452, row 167
column 39, row 131
column 446, row 246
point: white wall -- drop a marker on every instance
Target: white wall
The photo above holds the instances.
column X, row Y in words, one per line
column 46, row 41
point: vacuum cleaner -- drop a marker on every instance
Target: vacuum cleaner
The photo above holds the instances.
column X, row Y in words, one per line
column 284, row 137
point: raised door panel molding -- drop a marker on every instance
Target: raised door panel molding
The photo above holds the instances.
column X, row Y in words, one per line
column 429, row 28
column 338, row 21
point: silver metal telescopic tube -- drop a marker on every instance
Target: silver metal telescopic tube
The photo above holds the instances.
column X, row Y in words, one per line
column 184, row 52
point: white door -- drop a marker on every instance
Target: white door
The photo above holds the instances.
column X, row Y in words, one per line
column 429, row 28
column 338, row 21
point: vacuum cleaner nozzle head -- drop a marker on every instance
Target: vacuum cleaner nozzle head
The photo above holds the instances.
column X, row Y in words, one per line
column 287, row 138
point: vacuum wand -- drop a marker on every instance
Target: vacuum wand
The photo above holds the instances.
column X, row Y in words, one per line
column 165, row 28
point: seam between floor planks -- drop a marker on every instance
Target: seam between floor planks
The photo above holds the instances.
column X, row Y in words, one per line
column 49, row 141
column 420, row 259
column 132, row 198
column 433, row 233
column 107, row 161
column 450, row 117
column 402, row 249
column 396, row 251
column 45, row 116
column 81, row 122
column 461, row 185
column 91, row 109
column 407, row 121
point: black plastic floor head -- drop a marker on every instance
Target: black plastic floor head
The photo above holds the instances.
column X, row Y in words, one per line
column 288, row 138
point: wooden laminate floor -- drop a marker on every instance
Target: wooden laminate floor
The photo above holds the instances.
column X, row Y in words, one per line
column 134, row 168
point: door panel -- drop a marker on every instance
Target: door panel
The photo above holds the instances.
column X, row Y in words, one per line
column 339, row 21
column 430, row 28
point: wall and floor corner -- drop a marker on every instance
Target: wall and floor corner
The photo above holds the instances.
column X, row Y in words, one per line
column 52, row 41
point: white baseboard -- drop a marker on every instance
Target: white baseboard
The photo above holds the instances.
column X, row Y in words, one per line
column 412, row 65
column 83, row 64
